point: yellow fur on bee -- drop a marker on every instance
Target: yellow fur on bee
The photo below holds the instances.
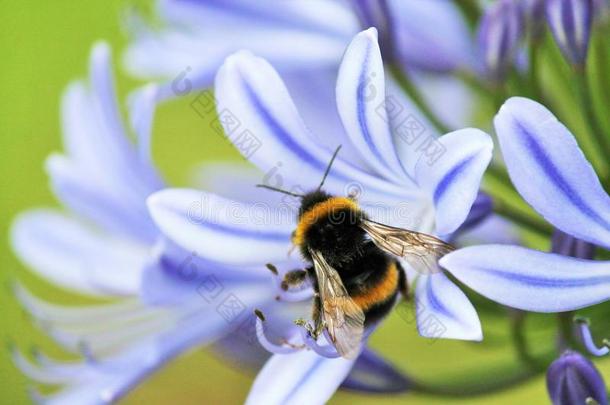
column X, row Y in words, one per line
column 380, row 292
column 318, row 211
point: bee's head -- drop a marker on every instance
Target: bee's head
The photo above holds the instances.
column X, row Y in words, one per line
column 309, row 200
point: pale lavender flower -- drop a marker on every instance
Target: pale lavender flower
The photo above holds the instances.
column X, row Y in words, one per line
column 163, row 300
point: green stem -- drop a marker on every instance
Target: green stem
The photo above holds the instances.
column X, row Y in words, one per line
column 534, row 83
column 601, row 59
column 411, row 90
column 517, row 318
column 565, row 325
column 493, row 381
column 499, row 174
column 528, row 222
column 597, row 134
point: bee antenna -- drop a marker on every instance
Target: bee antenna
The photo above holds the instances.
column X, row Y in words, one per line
column 332, row 159
column 279, row 190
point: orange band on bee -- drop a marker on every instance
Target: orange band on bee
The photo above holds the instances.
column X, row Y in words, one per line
column 319, row 211
column 380, row 292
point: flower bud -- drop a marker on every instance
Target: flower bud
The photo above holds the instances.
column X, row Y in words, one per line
column 570, row 22
column 500, row 31
column 573, row 379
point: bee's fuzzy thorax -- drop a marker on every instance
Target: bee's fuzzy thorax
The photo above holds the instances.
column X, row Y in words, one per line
column 314, row 211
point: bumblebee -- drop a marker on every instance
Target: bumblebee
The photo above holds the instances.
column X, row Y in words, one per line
column 354, row 271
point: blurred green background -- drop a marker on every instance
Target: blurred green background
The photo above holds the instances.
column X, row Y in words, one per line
column 44, row 46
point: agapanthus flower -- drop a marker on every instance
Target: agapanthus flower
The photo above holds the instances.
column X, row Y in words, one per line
column 164, row 300
column 573, row 379
column 440, row 193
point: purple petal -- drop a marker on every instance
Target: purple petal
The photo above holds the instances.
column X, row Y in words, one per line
column 570, row 22
column 73, row 256
column 302, row 377
column 551, row 172
column 453, row 180
column 361, row 104
column 321, row 28
column 142, row 104
column 528, row 279
column 572, row 379
column 444, row 311
column 260, row 118
column 110, row 379
column 222, row 230
column 499, row 34
column 431, row 35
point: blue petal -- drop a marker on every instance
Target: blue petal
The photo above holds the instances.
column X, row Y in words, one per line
column 109, row 379
column 302, row 377
column 178, row 275
column 234, row 181
column 452, row 178
column 260, row 118
column 431, row 35
column 321, row 28
column 71, row 255
column 103, row 205
column 222, row 230
column 444, row 311
column 372, row 373
column 142, row 104
column 572, row 379
column 100, row 160
column 551, row 172
column 361, row 104
column 528, row 279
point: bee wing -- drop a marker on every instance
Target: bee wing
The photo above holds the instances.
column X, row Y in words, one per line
column 343, row 317
column 420, row 250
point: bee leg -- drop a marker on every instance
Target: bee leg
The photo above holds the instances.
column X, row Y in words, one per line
column 305, row 324
column 317, row 317
column 293, row 279
column 403, row 285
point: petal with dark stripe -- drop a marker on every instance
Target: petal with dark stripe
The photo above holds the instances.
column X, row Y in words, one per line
column 222, row 230
column 452, row 176
column 551, row 172
column 361, row 104
column 300, row 378
column 530, row 280
column 443, row 310
column 260, row 118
